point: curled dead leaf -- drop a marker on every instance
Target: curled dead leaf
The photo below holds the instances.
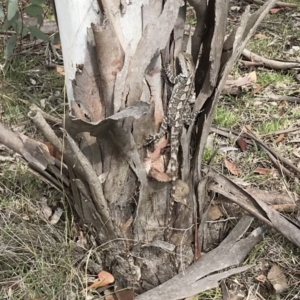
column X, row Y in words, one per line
column 242, row 144
column 279, row 138
column 264, row 171
column 57, row 46
column 105, row 278
column 52, row 151
column 275, row 10
column 232, row 168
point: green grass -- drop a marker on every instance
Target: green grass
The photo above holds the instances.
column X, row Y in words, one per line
column 266, row 77
column 224, row 117
column 24, row 77
column 45, row 260
column 39, row 257
column 213, row 294
column 271, row 126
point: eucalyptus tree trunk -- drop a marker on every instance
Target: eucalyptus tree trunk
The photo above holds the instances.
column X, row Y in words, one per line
column 113, row 57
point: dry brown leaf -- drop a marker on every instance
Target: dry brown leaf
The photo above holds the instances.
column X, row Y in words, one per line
column 279, row 138
column 261, row 278
column 278, row 279
column 260, row 36
column 94, row 285
column 242, row 144
column 275, row 10
column 105, row 277
column 252, row 77
column 281, row 112
column 214, row 213
column 155, row 155
column 52, row 151
column 264, row 171
column 159, row 176
column 57, row 46
column 232, row 168
column 158, row 165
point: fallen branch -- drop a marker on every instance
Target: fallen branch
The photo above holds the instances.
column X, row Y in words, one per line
column 232, row 251
column 277, row 4
column 269, row 63
column 232, row 191
column 75, row 158
column 275, row 157
column 279, row 98
column 281, row 131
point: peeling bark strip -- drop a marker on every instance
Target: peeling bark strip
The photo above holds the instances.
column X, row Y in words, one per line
column 195, row 279
column 155, row 37
column 105, row 159
column 110, row 63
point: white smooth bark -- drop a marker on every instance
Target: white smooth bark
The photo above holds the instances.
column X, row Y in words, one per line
column 75, row 16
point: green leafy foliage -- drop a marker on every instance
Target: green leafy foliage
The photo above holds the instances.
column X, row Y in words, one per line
column 37, row 33
column 37, row 2
column 33, row 10
column 9, row 23
column 10, row 46
column 12, row 9
column 1, row 13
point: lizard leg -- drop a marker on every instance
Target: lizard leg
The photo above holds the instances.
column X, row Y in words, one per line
column 159, row 135
column 189, row 116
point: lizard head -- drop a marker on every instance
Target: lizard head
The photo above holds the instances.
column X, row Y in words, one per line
column 186, row 64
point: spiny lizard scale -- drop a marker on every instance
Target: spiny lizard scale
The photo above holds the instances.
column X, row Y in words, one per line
column 178, row 113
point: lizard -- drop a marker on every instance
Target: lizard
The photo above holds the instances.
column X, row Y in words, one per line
column 178, row 114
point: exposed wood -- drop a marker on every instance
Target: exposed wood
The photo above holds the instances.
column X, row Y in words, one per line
column 269, row 63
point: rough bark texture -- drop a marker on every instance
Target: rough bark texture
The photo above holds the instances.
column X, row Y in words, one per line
column 119, row 101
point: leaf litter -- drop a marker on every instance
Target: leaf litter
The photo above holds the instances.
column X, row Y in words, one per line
column 250, row 158
column 268, row 164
